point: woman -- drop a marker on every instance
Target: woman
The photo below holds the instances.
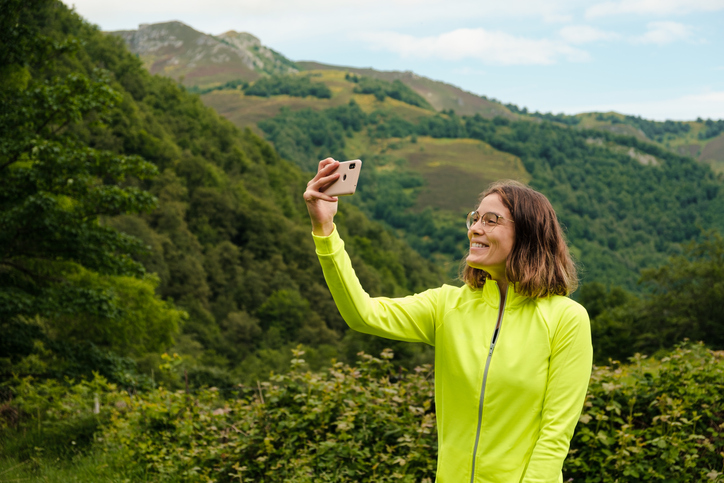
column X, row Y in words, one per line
column 512, row 353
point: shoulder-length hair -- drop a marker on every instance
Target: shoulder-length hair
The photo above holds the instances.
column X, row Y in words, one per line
column 539, row 264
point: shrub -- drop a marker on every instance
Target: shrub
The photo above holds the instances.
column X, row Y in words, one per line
column 653, row 420
column 361, row 423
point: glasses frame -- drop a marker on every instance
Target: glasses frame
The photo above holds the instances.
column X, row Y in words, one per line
column 471, row 224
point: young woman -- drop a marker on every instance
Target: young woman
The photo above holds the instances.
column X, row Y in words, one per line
column 513, row 353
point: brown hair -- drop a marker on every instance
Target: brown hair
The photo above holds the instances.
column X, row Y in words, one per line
column 539, row 263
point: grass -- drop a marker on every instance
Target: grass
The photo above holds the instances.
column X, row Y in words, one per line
column 246, row 111
column 458, row 170
column 89, row 468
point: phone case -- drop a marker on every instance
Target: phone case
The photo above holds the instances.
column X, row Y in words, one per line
column 346, row 184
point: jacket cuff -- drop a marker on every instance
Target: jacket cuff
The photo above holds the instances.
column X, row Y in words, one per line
column 328, row 245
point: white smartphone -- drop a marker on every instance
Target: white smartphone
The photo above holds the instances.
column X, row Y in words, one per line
column 346, row 184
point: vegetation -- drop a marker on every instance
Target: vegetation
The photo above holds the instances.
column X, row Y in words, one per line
column 157, row 273
column 654, row 130
column 236, row 84
column 382, row 89
column 622, row 214
column 224, row 264
column 275, row 85
column 682, row 301
column 713, row 128
column 290, row 85
column 652, row 419
column 548, row 116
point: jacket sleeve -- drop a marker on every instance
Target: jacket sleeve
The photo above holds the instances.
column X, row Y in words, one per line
column 409, row 318
column 568, row 375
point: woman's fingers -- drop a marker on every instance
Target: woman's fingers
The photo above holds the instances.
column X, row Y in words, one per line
column 326, row 167
column 311, row 195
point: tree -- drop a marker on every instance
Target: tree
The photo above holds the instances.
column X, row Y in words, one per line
column 59, row 263
column 684, row 302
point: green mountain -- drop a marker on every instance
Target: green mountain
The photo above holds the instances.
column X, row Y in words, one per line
column 440, row 95
column 201, row 61
column 438, row 147
column 221, row 216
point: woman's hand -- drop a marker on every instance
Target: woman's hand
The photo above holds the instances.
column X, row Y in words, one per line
column 321, row 207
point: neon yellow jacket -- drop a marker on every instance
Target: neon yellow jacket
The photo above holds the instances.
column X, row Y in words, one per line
column 506, row 408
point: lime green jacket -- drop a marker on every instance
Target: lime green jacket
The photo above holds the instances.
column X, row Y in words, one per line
column 506, row 405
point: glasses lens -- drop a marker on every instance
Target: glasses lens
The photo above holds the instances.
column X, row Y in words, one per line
column 490, row 220
column 473, row 218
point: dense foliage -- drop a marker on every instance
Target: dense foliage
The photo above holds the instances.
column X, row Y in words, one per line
column 382, row 89
column 650, row 420
column 713, row 129
column 683, row 300
column 228, row 241
column 62, row 267
column 655, row 130
column 622, row 214
column 547, row 116
column 290, row 85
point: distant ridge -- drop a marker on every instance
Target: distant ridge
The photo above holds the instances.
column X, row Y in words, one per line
column 175, row 50
column 204, row 61
column 440, row 95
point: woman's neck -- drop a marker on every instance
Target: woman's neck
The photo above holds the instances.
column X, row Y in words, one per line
column 503, row 287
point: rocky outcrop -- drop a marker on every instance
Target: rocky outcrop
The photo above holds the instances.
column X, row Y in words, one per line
column 176, row 50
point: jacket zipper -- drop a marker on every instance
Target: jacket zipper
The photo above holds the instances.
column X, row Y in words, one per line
column 493, row 341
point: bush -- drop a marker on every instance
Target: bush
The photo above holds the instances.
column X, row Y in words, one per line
column 362, row 423
column 53, row 418
column 652, row 420
column 291, row 85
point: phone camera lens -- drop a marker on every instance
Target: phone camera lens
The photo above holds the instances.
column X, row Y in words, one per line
column 351, row 166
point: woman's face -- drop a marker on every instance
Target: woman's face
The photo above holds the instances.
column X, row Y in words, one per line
column 489, row 249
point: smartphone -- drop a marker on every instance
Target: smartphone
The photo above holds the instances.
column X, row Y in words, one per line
column 346, row 184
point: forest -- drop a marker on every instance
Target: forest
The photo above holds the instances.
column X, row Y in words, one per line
column 164, row 317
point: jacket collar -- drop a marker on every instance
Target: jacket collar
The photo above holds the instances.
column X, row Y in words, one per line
column 491, row 295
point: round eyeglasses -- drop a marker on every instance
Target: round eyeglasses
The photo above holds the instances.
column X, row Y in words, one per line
column 490, row 220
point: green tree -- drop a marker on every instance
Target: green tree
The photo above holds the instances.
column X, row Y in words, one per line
column 684, row 302
column 59, row 261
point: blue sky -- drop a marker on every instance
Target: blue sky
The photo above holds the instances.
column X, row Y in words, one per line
column 660, row 59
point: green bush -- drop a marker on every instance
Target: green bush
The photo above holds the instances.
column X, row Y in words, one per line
column 653, row 420
column 53, row 418
column 650, row 420
column 349, row 423
column 291, row 85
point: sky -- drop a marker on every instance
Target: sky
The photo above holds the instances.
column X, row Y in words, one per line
column 659, row 59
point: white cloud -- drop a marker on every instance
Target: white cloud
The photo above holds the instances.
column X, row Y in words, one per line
column 327, row 15
column 489, row 47
column 655, row 7
column 662, row 33
column 581, row 34
column 686, row 108
column 557, row 18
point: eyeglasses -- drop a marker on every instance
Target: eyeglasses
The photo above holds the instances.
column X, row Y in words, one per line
column 490, row 220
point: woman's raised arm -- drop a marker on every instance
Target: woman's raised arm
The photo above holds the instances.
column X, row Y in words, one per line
column 321, row 207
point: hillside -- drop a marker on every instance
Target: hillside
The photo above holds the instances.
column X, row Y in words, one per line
column 440, row 95
column 201, row 61
column 176, row 50
column 211, row 229
column 164, row 317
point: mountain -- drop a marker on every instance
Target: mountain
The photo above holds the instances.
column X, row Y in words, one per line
column 205, row 61
column 617, row 182
column 440, row 95
column 228, row 241
column 175, row 50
